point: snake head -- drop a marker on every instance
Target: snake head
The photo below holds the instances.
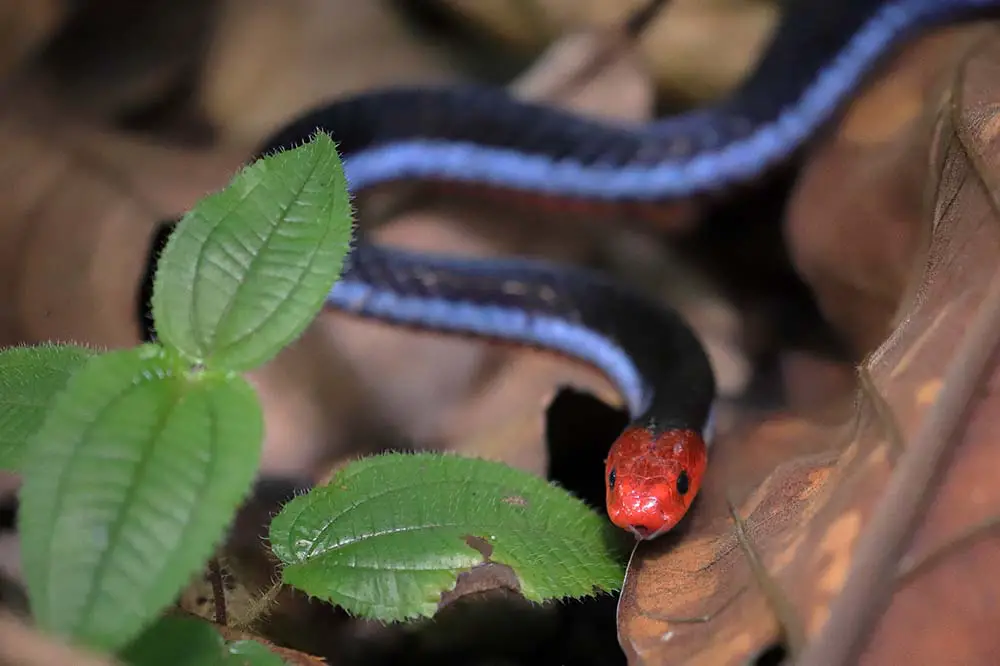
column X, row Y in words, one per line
column 651, row 479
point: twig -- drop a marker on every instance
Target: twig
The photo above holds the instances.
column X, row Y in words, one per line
column 784, row 612
column 640, row 19
column 870, row 582
column 218, row 590
column 897, row 443
column 611, row 45
column 910, row 567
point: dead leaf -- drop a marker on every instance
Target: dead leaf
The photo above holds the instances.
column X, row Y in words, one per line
column 25, row 25
column 681, row 46
column 872, row 179
column 914, row 285
column 270, row 60
column 80, row 203
column 20, row 645
column 115, row 57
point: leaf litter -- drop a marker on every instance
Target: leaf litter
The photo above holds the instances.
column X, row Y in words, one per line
column 826, row 523
column 800, row 519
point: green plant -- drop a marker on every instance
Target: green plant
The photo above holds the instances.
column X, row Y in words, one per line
column 135, row 460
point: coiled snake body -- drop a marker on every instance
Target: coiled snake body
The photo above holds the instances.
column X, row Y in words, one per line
column 819, row 56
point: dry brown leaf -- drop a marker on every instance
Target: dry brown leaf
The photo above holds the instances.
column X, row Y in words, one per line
column 921, row 275
column 269, row 60
column 872, row 180
column 25, row 25
column 79, row 205
column 681, row 45
column 20, row 645
column 114, row 57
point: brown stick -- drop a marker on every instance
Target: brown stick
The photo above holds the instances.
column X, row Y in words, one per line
column 869, row 585
column 218, row 590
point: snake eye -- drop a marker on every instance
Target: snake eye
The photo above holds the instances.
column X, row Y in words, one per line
column 611, row 479
column 683, row 482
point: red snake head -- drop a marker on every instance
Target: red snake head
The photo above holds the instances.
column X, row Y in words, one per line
column 651, row 479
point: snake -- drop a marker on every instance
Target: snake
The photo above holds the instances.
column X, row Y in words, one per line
column 484, row 138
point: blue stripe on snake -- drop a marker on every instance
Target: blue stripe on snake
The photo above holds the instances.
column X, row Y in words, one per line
column 819, row 56
column 484, row 137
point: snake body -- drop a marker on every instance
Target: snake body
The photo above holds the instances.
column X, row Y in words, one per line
column 483, row 137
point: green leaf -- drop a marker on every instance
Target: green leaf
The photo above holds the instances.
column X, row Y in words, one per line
column 178, row 640
column 249, row 267
column 390, row 533
column 252, row 653
column 29, row 378
column 128, row 486
column 175, row 640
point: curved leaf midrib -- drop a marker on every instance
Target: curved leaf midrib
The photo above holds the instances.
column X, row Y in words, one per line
column 298, row 285
column 45, row 557
column 255, row 257
column 333, row 519
column 213, row 462
column 198, row 328
column 141, row 472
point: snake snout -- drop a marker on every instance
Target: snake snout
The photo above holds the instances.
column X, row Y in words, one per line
column 642, row 532
column 645, row 514
column 645, row 532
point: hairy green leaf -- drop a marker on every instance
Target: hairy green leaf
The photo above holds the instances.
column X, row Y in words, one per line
column 29, row 379
column 248, row 268
column 390, row 533
column 128, row 486
column 175, row 640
